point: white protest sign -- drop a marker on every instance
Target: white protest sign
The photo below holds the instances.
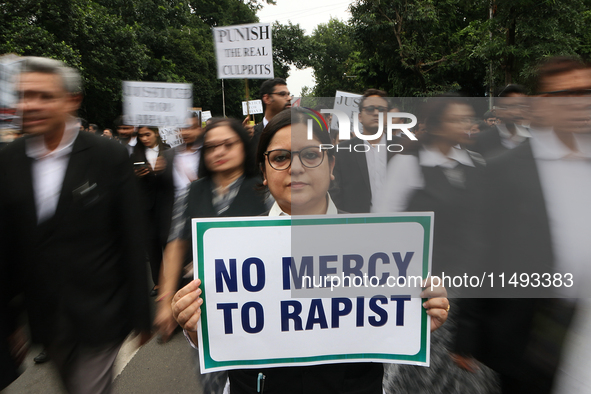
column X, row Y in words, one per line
column 244, row 51
column 157, row 104
column 347, row 103
column 205, row 115
column 171, row 136
column 198, row 113
column 255, row 107
column 254, row 316
column 10, row 66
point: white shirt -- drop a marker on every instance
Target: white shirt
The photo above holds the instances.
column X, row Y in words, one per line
column 49, row 169
column 152, row 155
column 185, row 169
column 131, row 144
column 331, row 209
column 377, row 165
column 509, row 140
column 565, row 177
column 404, row 176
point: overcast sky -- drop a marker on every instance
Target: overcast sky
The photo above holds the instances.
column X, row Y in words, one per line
column 308, row 13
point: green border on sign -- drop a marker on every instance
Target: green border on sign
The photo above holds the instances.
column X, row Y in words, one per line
column 202, row 227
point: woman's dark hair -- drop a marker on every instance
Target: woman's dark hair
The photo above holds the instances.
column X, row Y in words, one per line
column 288, row 117
column 236, row 126
column 155, row 131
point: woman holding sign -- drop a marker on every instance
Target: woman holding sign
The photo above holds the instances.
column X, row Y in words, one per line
column 298, row 175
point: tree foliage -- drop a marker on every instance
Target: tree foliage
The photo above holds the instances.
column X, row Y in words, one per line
column 110, row 41
column 416, row 47
column 291, row 47
column 406, row 47
column 335, row 58
column 426, row 47
column 526, row 31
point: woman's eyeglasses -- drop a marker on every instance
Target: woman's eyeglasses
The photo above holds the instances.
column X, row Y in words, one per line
column 282, row 94
column 280, row 159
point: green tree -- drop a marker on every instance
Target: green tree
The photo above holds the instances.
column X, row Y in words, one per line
column 110, row 41
column 424, row 47
column 335, row 59
column 414, row 47
column 291, row 46
column 84, row 35
column 523, row 32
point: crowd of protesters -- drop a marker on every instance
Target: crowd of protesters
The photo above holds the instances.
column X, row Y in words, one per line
column 82, row 216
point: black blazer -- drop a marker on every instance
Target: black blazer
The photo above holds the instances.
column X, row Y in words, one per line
column 83, row 271
column 7, row 326
column 157, row 191
column 248, row 201
column 454, row 207
column 169, row 155
column 7, row 364
column 488, row 143
column 515, row 237
column 256, row 137
column 352, row 190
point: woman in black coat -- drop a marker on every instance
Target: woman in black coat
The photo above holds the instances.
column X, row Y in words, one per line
column 298, row 176
column 226, row 187
column 157, row 194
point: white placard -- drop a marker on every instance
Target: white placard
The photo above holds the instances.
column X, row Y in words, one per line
column 244, row 51
column 171, row 136
column 205, row 116
column 255, row 107
column 347, row 103
column 157, row 104
column 9, row 70
column 259, row 309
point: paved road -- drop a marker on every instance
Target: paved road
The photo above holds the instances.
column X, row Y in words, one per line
column 154, row 368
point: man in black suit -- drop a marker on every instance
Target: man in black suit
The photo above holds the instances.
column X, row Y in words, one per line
column 12, row 350
column 72, row 231
column 510, row 130
column 361, row 166
column 127, row 134
column 535, row 215
column 275, row 97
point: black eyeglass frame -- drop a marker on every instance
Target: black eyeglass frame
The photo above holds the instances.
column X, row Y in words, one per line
column 380, row 108
column 293, row 153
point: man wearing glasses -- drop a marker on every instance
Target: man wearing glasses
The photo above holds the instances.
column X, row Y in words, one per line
column 361, row 166
column 512, row 109
column 276, row 97
column 536, row 220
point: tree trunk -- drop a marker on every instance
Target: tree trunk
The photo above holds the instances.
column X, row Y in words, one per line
column 510, row 58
